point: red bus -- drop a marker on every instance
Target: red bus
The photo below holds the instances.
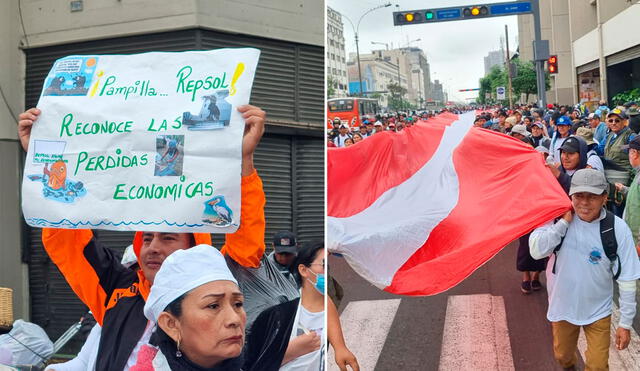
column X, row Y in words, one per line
column 352, row 110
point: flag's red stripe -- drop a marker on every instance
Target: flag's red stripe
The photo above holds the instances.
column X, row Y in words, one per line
column 505, row 191
column 359, row 174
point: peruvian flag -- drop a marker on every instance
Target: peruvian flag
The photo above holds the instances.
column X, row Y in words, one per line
column 416, row 212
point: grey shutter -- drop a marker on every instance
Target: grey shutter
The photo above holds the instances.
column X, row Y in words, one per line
column 623, row 56
column 309, row 181
column 587, row 67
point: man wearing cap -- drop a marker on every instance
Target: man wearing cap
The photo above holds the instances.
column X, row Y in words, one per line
column 344, row 134
column 563, row 130
column 378, row 127
column 363, row 131
column 599, row 128
column 580, row 275
column 617, row 167
column 573, row 157
column 370, row 130
column 284, row 253
column 631, row 213
column 519, row 132
column 593, row 160
column 335, row 130
column 537, row 135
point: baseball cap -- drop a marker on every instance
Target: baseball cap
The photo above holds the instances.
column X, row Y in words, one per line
column 588, row 180
column 617, row 112
column 635, row 143
column 520, row 129
column 593, row 116
column 571, row 144
column 365, row 122
column 563, row 120
column 285, row 241
column 586, row 134
column 538, row 124
column 378, row 123
column 549, row 106
column 633, row 111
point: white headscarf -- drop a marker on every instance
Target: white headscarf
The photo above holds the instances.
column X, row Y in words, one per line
column 183, row 271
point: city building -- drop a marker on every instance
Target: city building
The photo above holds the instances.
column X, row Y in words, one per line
column 413, row 64
column 597, row 49
column 494, row 58
column 438, row 93
column 377, row 74
column 289, row 86
column 336, row 62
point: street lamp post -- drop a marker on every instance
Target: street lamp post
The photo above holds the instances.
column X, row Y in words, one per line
column 355, row 31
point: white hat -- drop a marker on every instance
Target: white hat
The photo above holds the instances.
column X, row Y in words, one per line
column 129, row 257
column 520, row 129
column 588, row 180
column 183, row 271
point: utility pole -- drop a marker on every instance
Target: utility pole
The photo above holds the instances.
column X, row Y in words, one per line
column 506, row 35
column 399, row 82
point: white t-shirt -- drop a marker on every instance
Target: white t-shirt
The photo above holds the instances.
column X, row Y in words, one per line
column 339, row 140
column 312, row 322
column 581, row 291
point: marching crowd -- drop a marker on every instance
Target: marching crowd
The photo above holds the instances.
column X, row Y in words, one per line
column 595, row 157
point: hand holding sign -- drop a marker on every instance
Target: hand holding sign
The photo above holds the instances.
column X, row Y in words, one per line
column 145, row 143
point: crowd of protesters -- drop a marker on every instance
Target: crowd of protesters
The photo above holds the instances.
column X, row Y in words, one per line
column 341, row 135
column 595, row 157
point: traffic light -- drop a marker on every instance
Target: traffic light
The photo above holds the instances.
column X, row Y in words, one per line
column 420, row 16
column 552, row 64
column 475, row 11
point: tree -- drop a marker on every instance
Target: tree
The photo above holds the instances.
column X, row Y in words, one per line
column 525, row 81
column 396, row 100
column 331, row 86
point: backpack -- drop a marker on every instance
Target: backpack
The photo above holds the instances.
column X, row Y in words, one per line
column 609, row 243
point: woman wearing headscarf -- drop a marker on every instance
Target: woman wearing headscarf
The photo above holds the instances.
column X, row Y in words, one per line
column 307, row 339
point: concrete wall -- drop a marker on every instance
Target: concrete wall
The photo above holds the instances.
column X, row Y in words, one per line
column 583, row 17
column 51, row 21
column 611, row 8
column 13, row 273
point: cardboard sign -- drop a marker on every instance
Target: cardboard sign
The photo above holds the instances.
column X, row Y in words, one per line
column 144, row 142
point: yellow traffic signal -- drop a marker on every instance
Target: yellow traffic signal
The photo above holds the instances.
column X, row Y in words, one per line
column 475, row 10
column 409, row 17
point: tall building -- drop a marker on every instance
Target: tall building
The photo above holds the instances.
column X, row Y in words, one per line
column 377, row 74
column 438, row 92
column 597, row 48
column 336, row 62
column 413, row 64
column 494, row 58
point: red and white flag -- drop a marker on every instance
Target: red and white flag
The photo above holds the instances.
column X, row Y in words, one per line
column 416, row 212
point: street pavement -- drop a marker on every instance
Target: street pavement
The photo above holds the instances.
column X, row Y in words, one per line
column 484, row 323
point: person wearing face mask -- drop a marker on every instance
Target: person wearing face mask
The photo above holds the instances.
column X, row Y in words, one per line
column 631, row 213
column 306, row 345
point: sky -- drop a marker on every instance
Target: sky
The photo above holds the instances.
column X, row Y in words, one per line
column 455, row 50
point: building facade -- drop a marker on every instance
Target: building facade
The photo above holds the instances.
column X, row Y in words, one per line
column 414, row 65
column 597, row 47
column 289, row 86
column 494, row 58
column 336, row 62
column 377, row 74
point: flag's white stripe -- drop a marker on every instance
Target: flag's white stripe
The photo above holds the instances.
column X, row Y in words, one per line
column 628, row 359
column 378, row 241
column 475, row 334
column 365, row 325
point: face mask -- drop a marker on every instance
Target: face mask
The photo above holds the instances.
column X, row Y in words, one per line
column 319, row 285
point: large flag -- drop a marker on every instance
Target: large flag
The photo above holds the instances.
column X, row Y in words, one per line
column 416, row 212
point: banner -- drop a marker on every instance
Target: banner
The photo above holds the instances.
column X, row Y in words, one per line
column 149, row 142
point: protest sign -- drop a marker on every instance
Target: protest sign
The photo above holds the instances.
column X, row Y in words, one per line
column 140, row 142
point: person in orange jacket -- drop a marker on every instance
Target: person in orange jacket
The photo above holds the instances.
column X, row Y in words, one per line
column 116, row 295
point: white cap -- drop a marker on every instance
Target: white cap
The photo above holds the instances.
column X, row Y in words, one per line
column 519, row 129
column 183, row 271
column 129, row 257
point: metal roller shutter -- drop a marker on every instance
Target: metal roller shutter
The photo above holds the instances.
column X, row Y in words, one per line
column 587, row 67
column 623, row 56
column 309, row 182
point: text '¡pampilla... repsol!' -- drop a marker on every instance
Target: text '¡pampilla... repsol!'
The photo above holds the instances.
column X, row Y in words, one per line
column 144, row 88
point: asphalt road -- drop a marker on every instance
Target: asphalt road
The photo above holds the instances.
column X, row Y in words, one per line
column 408, row 333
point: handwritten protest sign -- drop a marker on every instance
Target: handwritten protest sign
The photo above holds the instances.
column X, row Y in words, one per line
column 147, row 142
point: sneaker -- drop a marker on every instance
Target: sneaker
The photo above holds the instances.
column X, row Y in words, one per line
column 536, row 285
column 526, row 287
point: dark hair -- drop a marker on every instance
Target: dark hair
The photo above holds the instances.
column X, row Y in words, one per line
column 306, row 256
column 175, row 307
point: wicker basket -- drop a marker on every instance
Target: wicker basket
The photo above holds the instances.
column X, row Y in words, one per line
column 6, row 308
